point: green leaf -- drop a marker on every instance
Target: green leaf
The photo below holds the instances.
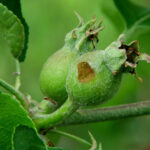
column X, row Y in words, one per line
column 11, row 30
column 15, row 7
column 26, row 138
column 12, row 115
column 133, row 13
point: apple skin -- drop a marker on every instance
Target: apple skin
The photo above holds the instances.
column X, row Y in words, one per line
column 54, row 73
column 90, row 81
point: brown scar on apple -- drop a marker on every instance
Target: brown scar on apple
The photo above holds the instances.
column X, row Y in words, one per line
column 85, row 72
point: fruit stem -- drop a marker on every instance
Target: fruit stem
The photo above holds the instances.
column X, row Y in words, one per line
column 18, row 72
column 15, row 92
column 43, row 121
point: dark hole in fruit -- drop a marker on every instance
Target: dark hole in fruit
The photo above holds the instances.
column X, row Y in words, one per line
column 85, row 72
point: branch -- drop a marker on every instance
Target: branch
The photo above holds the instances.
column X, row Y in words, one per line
column 109, row 113
column 15, row 92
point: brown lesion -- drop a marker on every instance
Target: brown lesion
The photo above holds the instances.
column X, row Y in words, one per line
column 85, row 72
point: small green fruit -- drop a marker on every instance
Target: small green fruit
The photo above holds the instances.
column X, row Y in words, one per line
column 54, row 73
column 95, row 76
column 90, row 81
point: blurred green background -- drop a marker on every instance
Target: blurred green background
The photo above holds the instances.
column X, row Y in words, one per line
column 49, row 21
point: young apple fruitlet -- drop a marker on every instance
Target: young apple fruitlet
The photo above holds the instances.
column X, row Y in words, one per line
column 95, row 76
column 54, row 73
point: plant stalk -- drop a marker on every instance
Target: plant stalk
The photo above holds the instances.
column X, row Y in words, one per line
column 18, row 81
column 78, row 139
column 15, row 92
column 44, row 121
column 108, row 113
column 131, row 31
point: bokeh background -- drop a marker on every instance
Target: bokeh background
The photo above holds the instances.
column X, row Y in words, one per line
column 49, row 21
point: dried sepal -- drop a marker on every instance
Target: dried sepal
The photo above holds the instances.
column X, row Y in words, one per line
column 84, row 37
column 143, row 57
column 81, row 21
column 119, row 55
column 133, row 57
